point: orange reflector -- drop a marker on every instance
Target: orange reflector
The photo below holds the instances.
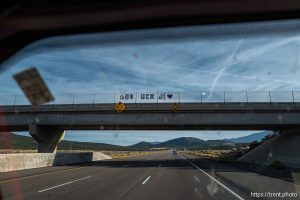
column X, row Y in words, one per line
column 120, row 107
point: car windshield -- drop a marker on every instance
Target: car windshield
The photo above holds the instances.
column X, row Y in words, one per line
column 191, row 112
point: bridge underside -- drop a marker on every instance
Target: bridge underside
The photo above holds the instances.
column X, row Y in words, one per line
column 47, row 123
column 186, row 127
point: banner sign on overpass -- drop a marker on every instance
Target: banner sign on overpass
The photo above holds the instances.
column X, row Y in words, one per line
column 148, row 97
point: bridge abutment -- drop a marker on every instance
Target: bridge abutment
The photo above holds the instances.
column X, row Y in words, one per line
column 284, row 148
column 47, row 137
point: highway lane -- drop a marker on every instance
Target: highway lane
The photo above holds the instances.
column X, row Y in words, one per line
column 177, row 179
column 166, row 175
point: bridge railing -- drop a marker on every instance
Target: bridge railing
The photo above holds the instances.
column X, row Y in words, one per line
column 164, row 97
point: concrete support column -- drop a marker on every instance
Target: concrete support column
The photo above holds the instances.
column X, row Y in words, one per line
column 47, row 137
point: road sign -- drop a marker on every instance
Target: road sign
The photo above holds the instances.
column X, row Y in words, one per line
column 120, row 107
column 33, row 86
column 175, row 107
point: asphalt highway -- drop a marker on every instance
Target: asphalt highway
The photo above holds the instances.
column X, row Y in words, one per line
column 166, row 175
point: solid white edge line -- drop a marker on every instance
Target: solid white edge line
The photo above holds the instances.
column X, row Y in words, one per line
column 63, row 184
column 146, row 180
column 221, row 184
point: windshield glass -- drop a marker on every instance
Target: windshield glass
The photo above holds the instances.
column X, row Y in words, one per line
column 195, row 112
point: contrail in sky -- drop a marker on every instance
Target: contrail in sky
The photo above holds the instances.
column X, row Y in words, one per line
column 227, row 63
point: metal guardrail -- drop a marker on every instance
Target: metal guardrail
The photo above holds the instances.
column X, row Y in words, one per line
column 164, row 97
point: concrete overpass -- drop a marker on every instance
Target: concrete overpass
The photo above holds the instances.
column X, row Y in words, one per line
column 47, row 123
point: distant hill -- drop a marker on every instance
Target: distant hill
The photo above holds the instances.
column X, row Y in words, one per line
column 154, row 143
column 65, row 145
column 182, row 142
column 196, row 143
column 142, row 145
column 14, row 141
column 250, row 138
column 10, row 140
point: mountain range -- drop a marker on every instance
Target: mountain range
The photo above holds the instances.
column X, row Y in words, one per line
column 195, row 143
column 188, row 142
column 14, row 141
column 250, row 138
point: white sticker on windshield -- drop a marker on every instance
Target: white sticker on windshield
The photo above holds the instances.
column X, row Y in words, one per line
column 33, row 86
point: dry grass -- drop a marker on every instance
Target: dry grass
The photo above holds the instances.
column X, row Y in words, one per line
column 126, row 154
column 212, row 154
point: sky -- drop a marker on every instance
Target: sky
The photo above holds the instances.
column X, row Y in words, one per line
column 235, row 57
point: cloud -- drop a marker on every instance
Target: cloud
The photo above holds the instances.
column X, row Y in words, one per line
column 187, row 59
column 229, row 61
